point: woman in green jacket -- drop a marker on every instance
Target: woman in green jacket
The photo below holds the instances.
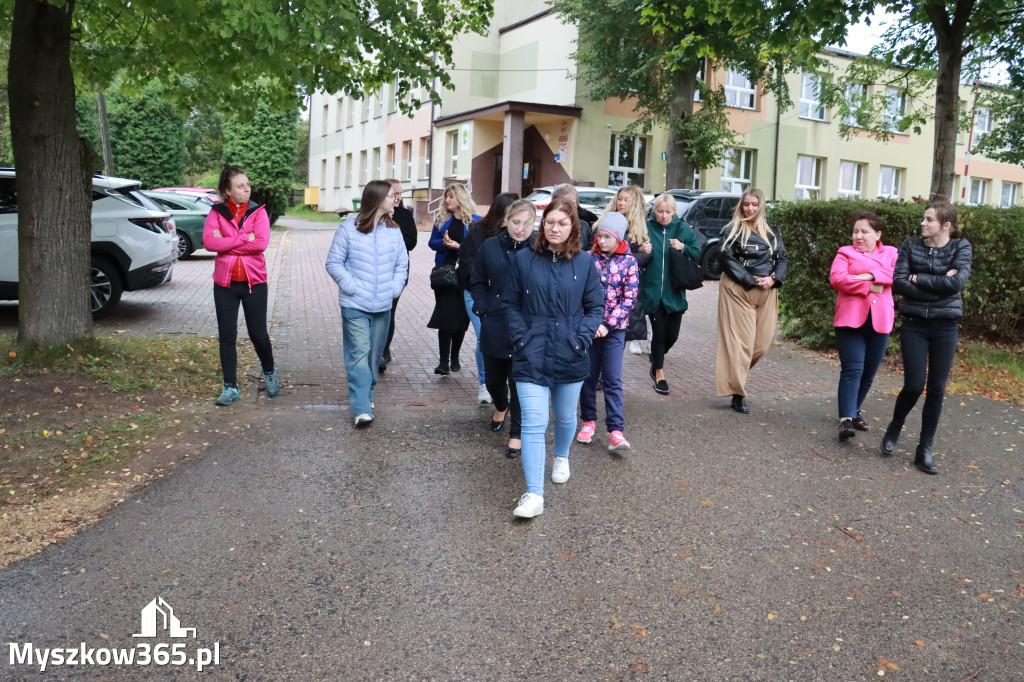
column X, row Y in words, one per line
column 664, row 304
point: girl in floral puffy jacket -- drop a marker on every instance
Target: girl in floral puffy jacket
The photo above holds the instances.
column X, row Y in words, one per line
column 620, row 277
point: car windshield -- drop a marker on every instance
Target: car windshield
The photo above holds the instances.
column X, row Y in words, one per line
column 540, row 194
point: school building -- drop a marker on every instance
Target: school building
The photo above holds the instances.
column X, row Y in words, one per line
column 516, row 119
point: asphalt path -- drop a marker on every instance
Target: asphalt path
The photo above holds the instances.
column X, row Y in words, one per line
column 722, row 547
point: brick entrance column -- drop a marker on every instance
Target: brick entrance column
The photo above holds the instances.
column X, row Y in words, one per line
column 512, row 153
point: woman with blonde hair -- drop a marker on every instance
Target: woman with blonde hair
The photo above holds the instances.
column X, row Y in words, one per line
column 450, row 318
column 629, row 201
column 754, row 265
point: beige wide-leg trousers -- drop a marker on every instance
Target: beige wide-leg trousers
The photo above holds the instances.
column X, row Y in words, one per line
column 746, row 327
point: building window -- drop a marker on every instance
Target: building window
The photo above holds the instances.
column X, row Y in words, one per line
column 323, row 173
column 378, row 99
column 810, row 97
column 737, row 170
column 890, row 181
column 696, row 180
column 425, row 149
column 453, row 153
column 851, row 180
column 364, row 114
column 392, row 162
column 808, row 177
column 350, row 118
column 348, row 170
column 376, row 163
column 394, row 96
column 739, row 91
column 627, row 163
column 979, row 191
column 407, row 153
column 1008, row 194
column 702, row 70
column 364, row 169
column 982, row 124
column 337, row 172
column 856, row 97
column 323, row 123
column 895, row 110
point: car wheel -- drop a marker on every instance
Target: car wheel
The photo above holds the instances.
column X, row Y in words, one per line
column 106, row 288
column 709, row 261
column 184, row 246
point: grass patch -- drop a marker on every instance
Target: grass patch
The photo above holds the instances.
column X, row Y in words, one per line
column 304, row 212
column 183, row 365
column 991, row 371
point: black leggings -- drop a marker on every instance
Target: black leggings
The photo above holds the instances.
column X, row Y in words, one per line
column 664, row 333
column 254, row 305
column 498, row 372
column 449, row 343
column 929, row 347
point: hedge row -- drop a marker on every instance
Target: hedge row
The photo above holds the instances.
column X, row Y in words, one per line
column 814, row 231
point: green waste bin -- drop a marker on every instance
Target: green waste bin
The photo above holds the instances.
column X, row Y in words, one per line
column 356, row 203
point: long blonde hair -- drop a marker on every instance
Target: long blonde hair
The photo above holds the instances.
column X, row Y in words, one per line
column 463, row 199
column 741, row 227
column 636, row 216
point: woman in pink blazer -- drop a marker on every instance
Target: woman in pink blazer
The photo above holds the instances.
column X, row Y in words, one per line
column 862, row 274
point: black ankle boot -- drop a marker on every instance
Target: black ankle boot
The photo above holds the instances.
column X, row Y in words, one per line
column 846, row 431
column 739, row 403
column 456, row 365
column 443, row 370
column 923, row 460
column 892, row 434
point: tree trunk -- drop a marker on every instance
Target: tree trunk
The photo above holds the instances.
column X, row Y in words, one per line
column 678, row 166
column 949, row 45
column 54, row 194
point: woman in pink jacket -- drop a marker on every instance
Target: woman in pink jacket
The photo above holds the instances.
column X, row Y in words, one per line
column 862, row 274
column 238, row 231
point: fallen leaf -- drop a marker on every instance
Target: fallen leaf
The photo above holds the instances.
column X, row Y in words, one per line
column 641, row 666
column 56, row 389
column 564, row 555
column 894, row 593
column 641, row 633
column 707, row 503
column 771, row 616
column 985, row 595
column 919, row 642
column 684, row 590
column 888, row 664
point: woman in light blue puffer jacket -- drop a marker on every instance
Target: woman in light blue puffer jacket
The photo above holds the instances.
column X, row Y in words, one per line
column 368, row 261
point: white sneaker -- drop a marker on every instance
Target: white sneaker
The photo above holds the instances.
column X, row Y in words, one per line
column 363, row 418
column 636, row 348
column 484, row 396
column 560, row 471
column 530, row 505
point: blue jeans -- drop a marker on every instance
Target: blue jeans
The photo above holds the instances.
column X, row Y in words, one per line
column 480, row 372
column 363, row 338
column 534, row 402
column 605, row 362
column 860, row 353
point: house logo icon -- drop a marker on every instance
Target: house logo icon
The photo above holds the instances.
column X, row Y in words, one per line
column 158, row 615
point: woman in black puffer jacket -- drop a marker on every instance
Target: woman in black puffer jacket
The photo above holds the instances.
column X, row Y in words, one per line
column 930, row 275
column 492, row 264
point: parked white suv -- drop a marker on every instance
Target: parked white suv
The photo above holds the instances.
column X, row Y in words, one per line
column 133, row 246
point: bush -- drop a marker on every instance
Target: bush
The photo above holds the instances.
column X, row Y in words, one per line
column 814, row 230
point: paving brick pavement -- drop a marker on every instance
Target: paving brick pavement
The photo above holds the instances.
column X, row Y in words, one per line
column 306, row 332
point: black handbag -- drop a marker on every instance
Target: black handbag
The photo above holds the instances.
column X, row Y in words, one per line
column 683, row 271
column 443, row 278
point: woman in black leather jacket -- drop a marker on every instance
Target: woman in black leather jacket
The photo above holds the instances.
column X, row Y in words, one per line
column 930, row 275
column 754, row 265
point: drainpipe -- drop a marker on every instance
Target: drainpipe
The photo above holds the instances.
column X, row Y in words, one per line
column 778, row 131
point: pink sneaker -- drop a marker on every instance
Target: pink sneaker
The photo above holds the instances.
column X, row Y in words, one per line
column 586, row 434
column 617, row 442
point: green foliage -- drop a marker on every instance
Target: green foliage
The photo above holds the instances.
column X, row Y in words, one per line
column 814, row 231
column 301, row 178
column 88, row 125
column 204, row 141
column 148, row 139
column 652, row 53
column 266, row 147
